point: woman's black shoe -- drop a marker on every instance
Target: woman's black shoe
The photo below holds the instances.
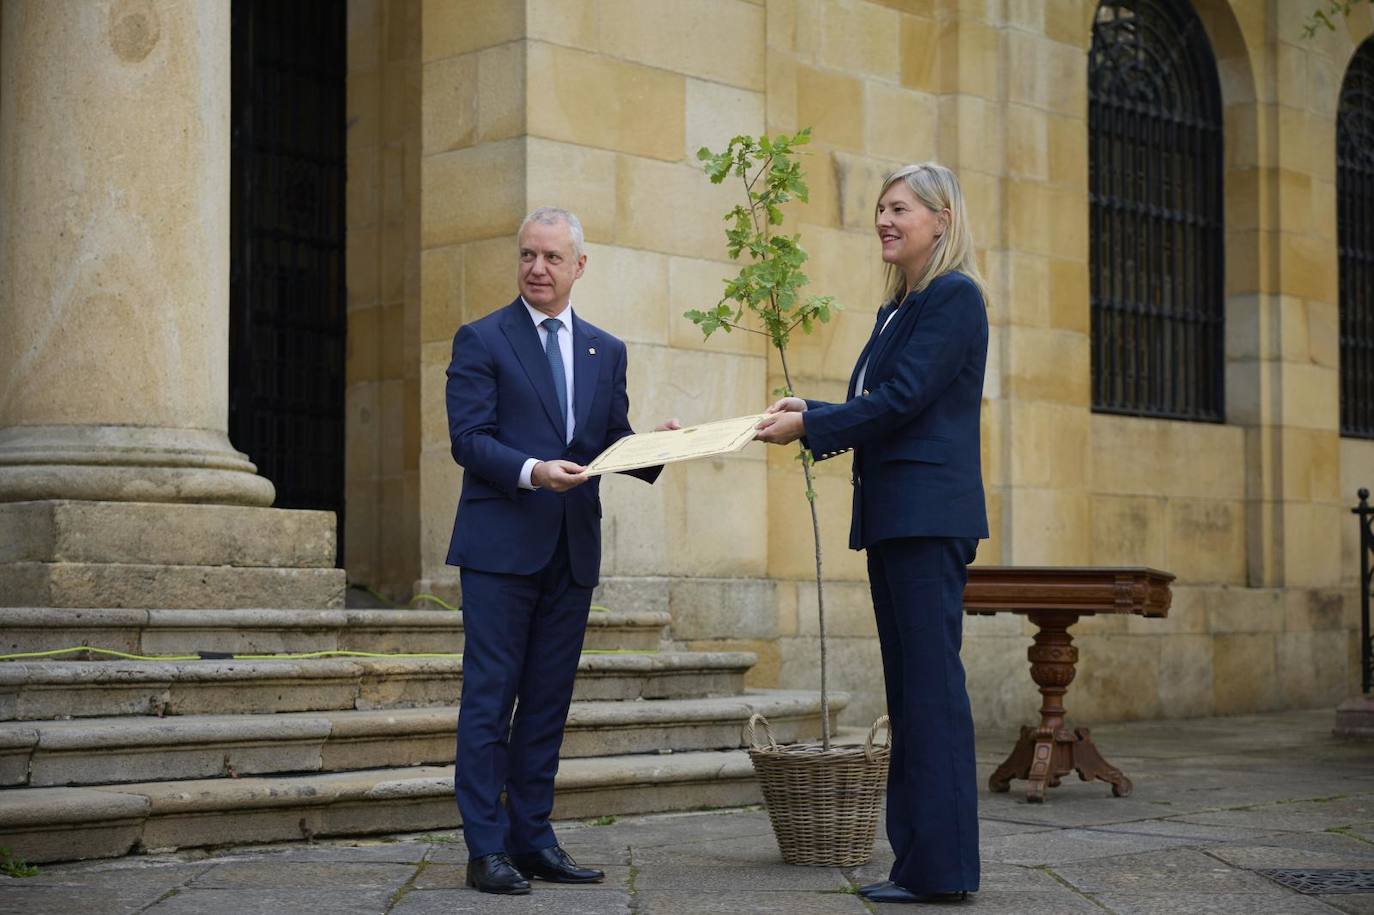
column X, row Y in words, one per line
column 870, row 887
column 893, row 892
column 496, row 874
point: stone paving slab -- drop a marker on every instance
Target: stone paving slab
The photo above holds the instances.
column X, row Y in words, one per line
column 1215, row 801
column 1287, row 817
column 1066, row 846
column 1353, row 904
column 1017, row 902
column 270, row 875
column 1177, row 870
column 454, row 877
column 275, row 901
column 989, row 828
column 554, row 902
column 688, row 902
column 747, row 851
column 1193, row 832
column 392, row 852
column 725, row 881
column 1213, row 904
column 127, row 873
column 1298, row 850
column 66, row 900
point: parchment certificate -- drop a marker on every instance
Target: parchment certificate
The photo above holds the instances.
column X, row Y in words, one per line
column 648, row 449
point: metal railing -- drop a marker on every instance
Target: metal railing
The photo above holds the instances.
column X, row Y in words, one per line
column 1365, row 511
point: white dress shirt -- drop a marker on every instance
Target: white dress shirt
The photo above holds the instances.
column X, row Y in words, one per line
column 863, row 370
column 565, row 346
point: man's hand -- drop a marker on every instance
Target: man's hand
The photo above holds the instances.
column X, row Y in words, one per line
column 787, row 405
column 781, row 428
column 668, row 425
column 559, row 476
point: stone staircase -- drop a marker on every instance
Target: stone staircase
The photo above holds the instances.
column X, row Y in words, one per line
column 102, row 756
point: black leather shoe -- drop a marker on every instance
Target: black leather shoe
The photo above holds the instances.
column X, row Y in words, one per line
column 496, row 874
column 870, row 887
column 894, row 892
column 556, row 866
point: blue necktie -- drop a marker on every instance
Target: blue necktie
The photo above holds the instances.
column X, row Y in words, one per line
column 555, row 354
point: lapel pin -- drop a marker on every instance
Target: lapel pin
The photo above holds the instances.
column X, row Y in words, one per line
column 591, row 351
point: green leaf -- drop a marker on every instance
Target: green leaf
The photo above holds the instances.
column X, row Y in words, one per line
column 770, row 280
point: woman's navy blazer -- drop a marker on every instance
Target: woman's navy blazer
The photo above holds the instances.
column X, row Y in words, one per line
column 915, row 428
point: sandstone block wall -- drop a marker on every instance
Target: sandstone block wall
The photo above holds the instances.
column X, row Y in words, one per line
column 481, row 111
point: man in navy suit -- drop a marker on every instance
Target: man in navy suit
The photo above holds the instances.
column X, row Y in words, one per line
column 534, row 393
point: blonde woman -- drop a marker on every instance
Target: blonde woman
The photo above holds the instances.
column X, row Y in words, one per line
column 912, row 421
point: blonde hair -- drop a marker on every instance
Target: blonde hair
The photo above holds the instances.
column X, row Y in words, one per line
column 936, row 188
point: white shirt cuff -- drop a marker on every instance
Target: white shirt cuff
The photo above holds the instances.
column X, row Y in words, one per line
column 525, row 472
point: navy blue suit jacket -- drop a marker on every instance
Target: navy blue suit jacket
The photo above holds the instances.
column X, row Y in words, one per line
column 502, row 410
column 915, row 429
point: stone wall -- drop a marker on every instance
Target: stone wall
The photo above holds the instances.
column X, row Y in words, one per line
column 600, row 105
column 383, row 402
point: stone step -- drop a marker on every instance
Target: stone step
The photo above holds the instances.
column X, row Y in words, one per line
column 37, row 690
column 103, row 751
column 62, row 824
column 101, row 584
column 161, row 533
column 252, row 631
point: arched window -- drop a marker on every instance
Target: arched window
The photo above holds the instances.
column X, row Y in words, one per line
column 1155, row 191
column 1355, row 240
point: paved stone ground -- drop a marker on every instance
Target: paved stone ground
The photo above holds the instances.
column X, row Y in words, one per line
column 1216, row 801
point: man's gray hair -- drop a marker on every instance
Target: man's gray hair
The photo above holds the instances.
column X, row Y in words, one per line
column 552, row 216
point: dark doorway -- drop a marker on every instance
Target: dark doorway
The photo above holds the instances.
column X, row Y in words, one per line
column 286, row 286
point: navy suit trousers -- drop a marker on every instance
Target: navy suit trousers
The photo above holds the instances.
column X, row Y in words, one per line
column 522, row 640
column 932, row 791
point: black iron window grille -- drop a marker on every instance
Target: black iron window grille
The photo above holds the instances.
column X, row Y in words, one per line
column 1355, row 241
column 1365, row 512
column 1155, row 192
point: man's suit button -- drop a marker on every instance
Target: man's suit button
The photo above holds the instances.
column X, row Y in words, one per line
column 865, row 392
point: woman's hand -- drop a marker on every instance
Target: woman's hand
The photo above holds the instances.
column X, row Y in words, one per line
column 787, row 405
column 782, row 427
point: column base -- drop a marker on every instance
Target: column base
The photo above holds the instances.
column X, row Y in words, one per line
column 61, row 553
column 127, row 464
column 1355, row 717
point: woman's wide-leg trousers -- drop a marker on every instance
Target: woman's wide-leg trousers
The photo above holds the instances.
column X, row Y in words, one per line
column 932, row 800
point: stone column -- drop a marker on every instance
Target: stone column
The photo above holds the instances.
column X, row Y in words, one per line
column 118, row 484
column 114, row 254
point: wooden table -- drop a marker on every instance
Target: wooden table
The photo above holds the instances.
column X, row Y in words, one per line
column 1054, row 598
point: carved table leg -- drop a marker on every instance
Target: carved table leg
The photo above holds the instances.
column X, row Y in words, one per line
column 1052, row 658
column 1043, row 754
column 1017, row 764
column 1090, row 764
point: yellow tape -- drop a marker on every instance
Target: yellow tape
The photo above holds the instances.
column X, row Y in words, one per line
column 435, row 600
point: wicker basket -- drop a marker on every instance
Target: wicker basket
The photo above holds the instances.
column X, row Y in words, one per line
column 824, row 804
